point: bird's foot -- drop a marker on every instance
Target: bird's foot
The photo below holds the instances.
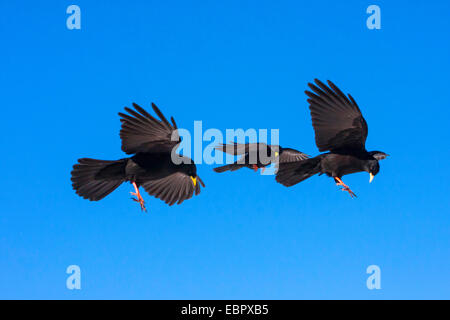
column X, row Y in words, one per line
column 262, row 170
column 255, row 167
column 340, row 183
column 138, row 196
column 350, row 192
column 140, row 200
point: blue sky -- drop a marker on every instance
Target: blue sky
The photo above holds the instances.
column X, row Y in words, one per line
column 233, row 64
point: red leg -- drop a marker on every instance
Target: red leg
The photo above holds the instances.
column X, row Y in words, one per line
column 138, row 196
column 262, row 170
column 339, row 182
column 255, row 167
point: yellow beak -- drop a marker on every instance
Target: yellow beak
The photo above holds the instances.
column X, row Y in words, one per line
column 276, row 154
column 371, row 177
column 194, row 181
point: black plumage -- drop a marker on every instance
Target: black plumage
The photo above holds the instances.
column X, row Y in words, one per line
column 257, row 155
column 340, row 129
column 151, row 142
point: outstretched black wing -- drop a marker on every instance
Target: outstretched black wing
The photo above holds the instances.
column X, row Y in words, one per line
column 337, row 120
column 174, row 188
column 141, row 132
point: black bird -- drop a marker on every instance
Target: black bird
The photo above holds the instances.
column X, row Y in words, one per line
column 257, row 155
column 151, row 142
column 341, row 129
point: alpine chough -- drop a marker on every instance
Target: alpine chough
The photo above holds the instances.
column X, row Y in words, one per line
column 257, row 156
column 151, row 142
column 340, row 129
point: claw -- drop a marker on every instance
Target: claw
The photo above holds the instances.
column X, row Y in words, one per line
column 142, row 204
column 339, row 182
column 352, row 194
column 138, row 197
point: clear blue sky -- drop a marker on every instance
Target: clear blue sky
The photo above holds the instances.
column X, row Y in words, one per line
column 231, row 64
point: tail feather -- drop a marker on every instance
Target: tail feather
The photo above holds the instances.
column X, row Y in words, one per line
column 291, row 173
column 94, row 179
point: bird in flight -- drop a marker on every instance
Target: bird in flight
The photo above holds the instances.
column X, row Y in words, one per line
column 257, row 156
column 340, row 129
column 150, row 142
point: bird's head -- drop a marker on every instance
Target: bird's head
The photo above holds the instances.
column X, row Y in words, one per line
column 191, row 171
column 372, row 165
column 275, row 151
column 197, row 180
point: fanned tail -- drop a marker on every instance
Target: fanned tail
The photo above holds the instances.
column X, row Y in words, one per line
column 94, row 179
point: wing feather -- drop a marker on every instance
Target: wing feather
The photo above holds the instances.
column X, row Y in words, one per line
column 141, row 132
column 172, row 189
column 292, row 155
column 337, row 119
